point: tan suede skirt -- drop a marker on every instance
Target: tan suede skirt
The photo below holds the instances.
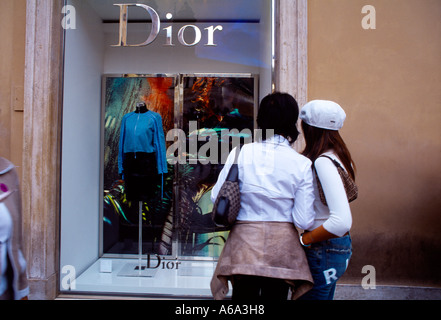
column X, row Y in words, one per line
column 266, row 249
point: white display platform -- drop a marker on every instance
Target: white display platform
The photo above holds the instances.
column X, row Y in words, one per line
column 183, row 279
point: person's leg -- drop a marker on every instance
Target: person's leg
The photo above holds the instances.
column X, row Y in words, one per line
column 332, row 291
column 327, row 261
column 338, row 254
column 274, row 289
column 246, row 287
column 323, row 292
column 316, row 262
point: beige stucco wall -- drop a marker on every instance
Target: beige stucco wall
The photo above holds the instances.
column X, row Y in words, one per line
column 388, row 80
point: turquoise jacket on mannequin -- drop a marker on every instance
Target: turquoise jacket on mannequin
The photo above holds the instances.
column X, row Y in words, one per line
column 142, row 132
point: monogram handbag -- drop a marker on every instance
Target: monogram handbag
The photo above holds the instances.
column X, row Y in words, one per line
column 227, row 204
column 349, row 184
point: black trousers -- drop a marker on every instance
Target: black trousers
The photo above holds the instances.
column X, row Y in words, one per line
column 141, row 176
column 259, row 288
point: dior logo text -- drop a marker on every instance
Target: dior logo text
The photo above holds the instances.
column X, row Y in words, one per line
column 185, row 33
column 158, row 263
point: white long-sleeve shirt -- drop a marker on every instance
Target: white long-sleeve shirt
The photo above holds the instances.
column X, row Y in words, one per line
column 336, row 218
column 276, row 183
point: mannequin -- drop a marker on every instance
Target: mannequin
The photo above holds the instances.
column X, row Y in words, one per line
column 141, row 107
column 142, row 154
column 142, row 163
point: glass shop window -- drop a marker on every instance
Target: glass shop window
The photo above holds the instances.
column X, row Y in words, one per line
column 156, row 95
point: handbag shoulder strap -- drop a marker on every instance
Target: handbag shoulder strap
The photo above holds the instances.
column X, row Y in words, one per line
column 233, row 174
column 236, row 156
column 335, row 162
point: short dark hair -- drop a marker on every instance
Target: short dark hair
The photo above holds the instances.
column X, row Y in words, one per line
column 279, row 112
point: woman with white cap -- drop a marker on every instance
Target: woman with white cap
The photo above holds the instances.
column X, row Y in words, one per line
column 327, row 243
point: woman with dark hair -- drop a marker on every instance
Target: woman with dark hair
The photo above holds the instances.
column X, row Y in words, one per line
column 328, row 243
column 263, row 257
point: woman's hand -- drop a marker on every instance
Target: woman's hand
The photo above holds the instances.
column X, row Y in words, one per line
column 316, row 235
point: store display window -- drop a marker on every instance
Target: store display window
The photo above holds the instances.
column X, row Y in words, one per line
column 156, row 95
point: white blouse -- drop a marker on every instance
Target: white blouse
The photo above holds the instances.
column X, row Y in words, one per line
column 336, row 218
column 276, row 183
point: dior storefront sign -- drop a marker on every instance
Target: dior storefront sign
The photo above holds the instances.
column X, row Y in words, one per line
column 183, row 34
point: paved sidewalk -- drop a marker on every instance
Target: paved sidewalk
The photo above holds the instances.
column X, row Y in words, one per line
column 382, row 292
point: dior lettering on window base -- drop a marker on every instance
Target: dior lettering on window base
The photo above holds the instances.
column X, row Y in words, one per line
column 156, row 28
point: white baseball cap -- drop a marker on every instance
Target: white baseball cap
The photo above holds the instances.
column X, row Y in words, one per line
column 323, row 114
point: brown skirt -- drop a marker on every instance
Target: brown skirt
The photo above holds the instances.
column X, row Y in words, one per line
column 266, row 249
